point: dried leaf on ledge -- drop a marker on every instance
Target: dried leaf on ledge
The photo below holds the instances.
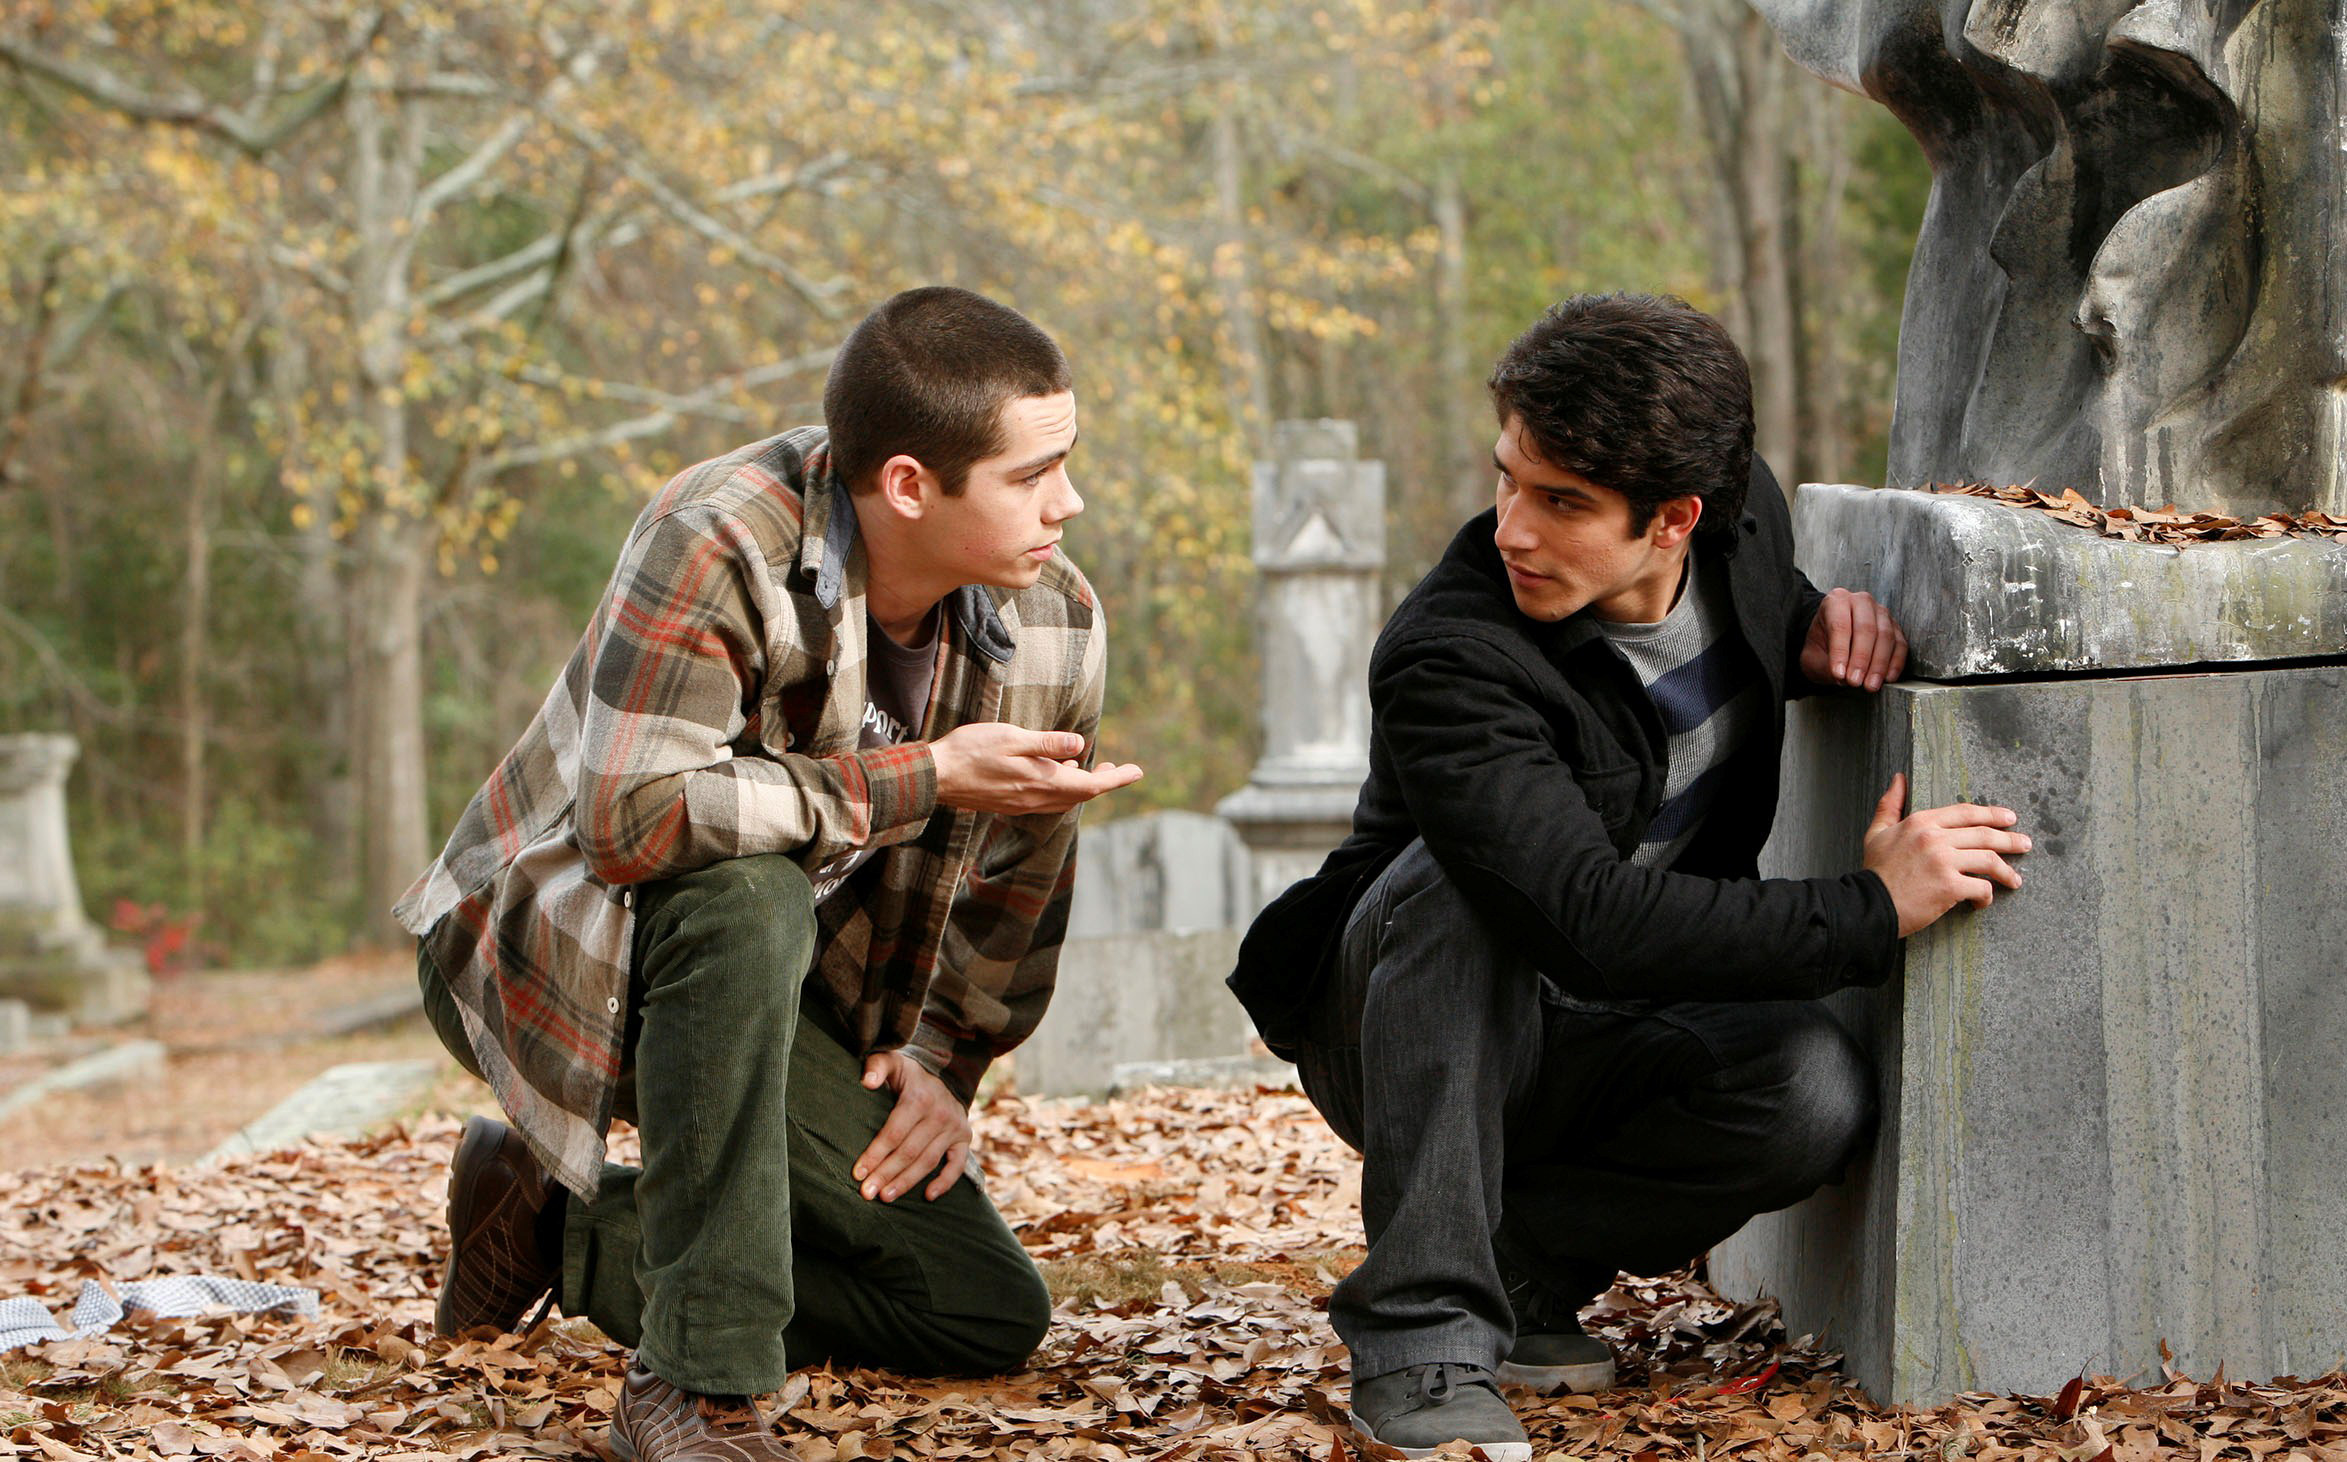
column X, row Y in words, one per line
column 2167, row 525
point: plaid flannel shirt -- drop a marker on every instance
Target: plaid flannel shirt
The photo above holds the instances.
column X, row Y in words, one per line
column 711, row 711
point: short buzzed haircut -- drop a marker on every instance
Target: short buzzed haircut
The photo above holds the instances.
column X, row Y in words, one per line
column 1644, row 394
column 926, row 375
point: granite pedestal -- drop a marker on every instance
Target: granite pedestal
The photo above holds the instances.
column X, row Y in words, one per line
column 2114, row 1111
column 1144, row 996
column 52, row 959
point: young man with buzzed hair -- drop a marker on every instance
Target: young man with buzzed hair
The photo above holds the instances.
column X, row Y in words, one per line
column 1541, row 987
column 781, row 865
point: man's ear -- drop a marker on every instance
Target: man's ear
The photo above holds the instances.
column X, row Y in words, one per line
column 905, row 487
column 1674, row 521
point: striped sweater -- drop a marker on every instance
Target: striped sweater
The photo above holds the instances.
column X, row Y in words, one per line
column 1709, row 699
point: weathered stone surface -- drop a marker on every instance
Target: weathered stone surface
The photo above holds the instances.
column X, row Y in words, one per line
column 2128, row 275
column 2111, row 1102
column 122, row 1064
column 1985, row 589
column 341, row 1101
column 16, row 1026
column 1166, row 870
column 375, row 1013
column 1133, row 997
column 39, row 900
column 51, row 956
column 1225, row 1072
column 1320, row 548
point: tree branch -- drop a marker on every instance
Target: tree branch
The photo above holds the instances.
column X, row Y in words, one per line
column 677, row 206
column 1159, row 81
column 806, row 175
column 322, row 275
column 184, row 108
column 453, row 182
column 531, row 255
column 90, row 703
column 660, row 419
column 70, row 339
column 448, row 83
column 1393, row 177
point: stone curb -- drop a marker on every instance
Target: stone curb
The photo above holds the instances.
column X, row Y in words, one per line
column 115, row 1065
column 341, row 1101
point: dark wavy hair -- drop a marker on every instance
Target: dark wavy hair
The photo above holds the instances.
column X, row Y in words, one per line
column 1641, row 393
column 926, row 374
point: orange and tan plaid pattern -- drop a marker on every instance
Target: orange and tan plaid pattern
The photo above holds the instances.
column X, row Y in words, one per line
column 710, row 712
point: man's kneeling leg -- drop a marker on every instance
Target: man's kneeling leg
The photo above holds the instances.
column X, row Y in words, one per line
column 931, row 1287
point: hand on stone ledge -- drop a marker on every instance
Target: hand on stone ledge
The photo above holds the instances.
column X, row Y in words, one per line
column 1940, row 857
column 1854, row 641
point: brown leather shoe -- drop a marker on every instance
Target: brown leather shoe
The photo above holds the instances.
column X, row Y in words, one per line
column 496, row 1266
column 657, row 1422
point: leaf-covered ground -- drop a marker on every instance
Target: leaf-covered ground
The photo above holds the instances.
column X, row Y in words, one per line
column 1192, row 1237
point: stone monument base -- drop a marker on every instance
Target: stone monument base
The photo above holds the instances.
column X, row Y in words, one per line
column 1148, row 995
column 80, row 978
column 2113, row 1110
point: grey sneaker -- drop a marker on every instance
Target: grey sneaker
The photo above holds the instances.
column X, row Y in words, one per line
column 1417, row 1409
column 1552, row 1352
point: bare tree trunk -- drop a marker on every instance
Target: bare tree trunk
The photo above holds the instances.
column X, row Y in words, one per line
column 1825, row 394
column 195, row 638
column 1234, row 281
column 27, row 392
column 1455, row 450
column 1765, row 204
column 1740, row 81
column 321, row 641
column 396, row 838
column 388, row 665
column 194, row 614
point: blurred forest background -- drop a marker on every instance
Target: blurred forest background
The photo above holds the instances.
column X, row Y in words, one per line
column 340, row 343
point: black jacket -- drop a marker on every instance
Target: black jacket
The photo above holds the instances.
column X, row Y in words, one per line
column 1531, row 759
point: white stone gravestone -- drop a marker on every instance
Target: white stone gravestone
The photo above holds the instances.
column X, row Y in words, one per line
column 1151, row 932
column 51, row 957
column 1320, row 552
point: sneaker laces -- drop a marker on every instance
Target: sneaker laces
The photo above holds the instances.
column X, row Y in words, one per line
column 1439, row 1388
column 1438, row 1381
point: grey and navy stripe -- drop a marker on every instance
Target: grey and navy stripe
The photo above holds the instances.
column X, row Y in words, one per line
column 1709, row 700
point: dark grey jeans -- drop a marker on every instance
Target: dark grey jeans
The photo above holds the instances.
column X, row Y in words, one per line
column 1492, row 1113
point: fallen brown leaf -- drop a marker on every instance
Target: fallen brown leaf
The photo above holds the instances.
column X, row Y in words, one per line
column 2152, row 525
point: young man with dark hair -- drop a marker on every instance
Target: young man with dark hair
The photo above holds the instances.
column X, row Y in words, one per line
column 781, row 865
column 1541, row 988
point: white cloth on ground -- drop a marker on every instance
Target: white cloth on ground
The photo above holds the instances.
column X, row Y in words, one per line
column 26, row 1321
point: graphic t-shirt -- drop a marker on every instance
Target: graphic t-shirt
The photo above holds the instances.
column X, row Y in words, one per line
column 897, row 680
column 1709, row 698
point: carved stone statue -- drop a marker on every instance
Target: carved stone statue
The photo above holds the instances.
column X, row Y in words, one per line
column 2130, row 276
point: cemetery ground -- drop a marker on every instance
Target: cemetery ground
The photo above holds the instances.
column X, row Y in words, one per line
column 1190, row 1237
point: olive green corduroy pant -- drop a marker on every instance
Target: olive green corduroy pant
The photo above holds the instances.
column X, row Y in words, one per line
column 744, row 1238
